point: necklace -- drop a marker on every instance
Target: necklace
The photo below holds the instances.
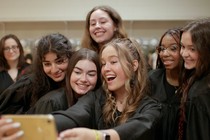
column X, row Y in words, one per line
column 176, row 89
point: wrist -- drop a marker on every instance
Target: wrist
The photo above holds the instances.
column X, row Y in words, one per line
column 105, row 136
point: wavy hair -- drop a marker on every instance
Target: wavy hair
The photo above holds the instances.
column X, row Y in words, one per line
column 136, row 85
column 58, row 44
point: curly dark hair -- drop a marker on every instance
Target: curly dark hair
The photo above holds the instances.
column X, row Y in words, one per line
column 56, row 43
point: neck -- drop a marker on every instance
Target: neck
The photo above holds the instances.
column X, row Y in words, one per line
column 121, row 98
column 13, row 64
column 172, row 76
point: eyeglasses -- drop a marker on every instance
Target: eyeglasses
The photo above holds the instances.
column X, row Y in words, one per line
column 13, row 48
column 171, row 49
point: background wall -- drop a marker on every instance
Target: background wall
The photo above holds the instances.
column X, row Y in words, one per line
column 145, row 20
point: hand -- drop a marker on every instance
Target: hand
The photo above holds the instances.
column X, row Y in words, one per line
column 78, row 134
column 9, row 130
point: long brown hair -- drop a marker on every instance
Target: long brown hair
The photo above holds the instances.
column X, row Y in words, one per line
column 88, row 42
column 21, row 60
column 200, row 34
column 81, row 54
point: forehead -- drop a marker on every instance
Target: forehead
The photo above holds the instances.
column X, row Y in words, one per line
column 50, row 56
column 168, row 38
column 99, row 14
column 10, row 41
column 108, row 51
column 86, row 64
column 186, row 38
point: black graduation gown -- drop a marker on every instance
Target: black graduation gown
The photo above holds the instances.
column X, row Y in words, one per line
column 16, row 98
column 198, row 110
column 87, row 112
column 53, row 101
column 170, row 106
column 6, row 80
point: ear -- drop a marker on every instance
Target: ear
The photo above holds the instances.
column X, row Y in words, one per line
column 135, row 65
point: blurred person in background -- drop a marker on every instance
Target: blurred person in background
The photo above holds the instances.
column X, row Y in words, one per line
column 13, row 64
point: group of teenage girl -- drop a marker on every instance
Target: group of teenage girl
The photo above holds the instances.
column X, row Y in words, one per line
column 104, row 90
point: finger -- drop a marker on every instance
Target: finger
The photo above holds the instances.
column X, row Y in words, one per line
column 15, row 136
column 67, row 133
column 5, row 121
column 9, row 129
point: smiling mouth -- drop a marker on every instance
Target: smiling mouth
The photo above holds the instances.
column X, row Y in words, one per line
column 110, row 78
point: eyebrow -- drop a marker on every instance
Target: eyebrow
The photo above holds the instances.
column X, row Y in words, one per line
column 58, row 58
column 88, row 70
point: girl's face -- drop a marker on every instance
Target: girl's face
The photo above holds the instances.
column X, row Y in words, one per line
column 188, row 51
column 11, row 50
column 83, row 77
column 102, row 27
column 55, row 67
column 169, row 52
column 112, row 70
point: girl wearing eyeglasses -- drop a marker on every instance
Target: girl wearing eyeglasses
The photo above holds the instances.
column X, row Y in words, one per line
column 12, row 62
column 165, row 82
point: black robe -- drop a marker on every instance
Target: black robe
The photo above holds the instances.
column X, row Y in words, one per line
column 170, row 105
column 53, row 101
column 16, row 99
column 6, row 80
column 87, row 112
column 198, row 110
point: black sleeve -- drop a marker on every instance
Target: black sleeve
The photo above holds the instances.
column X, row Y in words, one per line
column 198, row 123
column 13, row 98
column 54, row 100
column 143, row 124
column 79, row 115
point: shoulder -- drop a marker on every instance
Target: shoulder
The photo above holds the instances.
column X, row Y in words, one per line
column 156, row 73
column 54, row 95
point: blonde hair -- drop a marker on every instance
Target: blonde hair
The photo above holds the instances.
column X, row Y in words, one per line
column 136, row 85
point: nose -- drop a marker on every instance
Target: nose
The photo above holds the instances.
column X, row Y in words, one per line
column 11, row 50
column 184, row 53
column 83, row 77
column 98, row 24
column 106, row 67
column 165, row 52
column 54, row 68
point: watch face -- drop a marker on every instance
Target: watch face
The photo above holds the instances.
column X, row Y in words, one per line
column 106, row 136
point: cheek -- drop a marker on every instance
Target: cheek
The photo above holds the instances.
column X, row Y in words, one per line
column 63, row 67
column 93, row 80
column 91, row 29
column 46, row 69
column 72, row 78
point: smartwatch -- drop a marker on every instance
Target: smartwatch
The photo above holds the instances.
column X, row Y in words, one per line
column 105, row 136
